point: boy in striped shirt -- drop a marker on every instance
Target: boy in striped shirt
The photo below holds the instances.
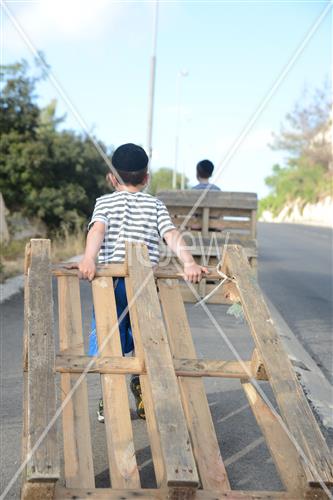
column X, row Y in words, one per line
column 128, row 214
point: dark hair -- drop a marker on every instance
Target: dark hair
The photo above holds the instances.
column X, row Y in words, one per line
column 132, row 178
column 205, row 169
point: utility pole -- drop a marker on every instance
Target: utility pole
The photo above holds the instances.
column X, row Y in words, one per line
column 152, row 84
column 181, row 74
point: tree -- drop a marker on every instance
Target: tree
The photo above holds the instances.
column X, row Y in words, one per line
column 161, row 179
column 307, row 132
column 306, row 136
column 46, row 173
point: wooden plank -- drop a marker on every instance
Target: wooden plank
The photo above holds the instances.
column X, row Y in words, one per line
column 79, row 469
column 41, row 390
column 257, row 366
column 123, row 365
column 116, row 270
column 38, row 490
column 4, row 233
column 66, row 363
column 205, row 221
column 152, row 428
column 284, row 453
column 293, row 405
column 199, row 420
column 163, row 494
column 253, row 224
column 210, row 199
column 121, row 452
column 208, row 367
column 180, row 468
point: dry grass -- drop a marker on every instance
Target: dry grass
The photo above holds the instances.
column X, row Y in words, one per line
column 67, row 244
column 64, row 245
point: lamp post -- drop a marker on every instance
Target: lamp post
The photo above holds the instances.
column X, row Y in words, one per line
column 181, row 74
column 152, row 85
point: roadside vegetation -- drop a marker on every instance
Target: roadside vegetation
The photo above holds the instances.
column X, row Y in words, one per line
column 50, row 177
column 306, row 137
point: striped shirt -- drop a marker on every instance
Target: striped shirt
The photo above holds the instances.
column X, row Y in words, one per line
column 137, row 217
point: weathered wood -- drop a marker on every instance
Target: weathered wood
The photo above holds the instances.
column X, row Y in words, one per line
column 121, row 452
column 189, row 198
column 210, row 368
column 180, row 468
column 257, row 366
column 106, row 364
column 283, row 451
column 38, row 490
column 155, row 444
column 123, row 365
column 293, row 405
column 254, row 224
column 79, row 469
column 199, row 420
column 116, row 270
column 104, row 271
column 41, row 392
column 164, row 494
column 4, row 233
column 205, row 221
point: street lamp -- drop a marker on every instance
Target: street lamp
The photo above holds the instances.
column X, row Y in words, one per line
column 181, row 74
column 152, row 84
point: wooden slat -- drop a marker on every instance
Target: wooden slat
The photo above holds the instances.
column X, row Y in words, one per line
column 152, row 428
column 210, row 199
column 38, row 490
column 254, row 223
column 208, row 367
column 283, row 451
column 205, row 221
column 106, row 364
column 79, row 469
column 116, row 270
column 122, row 460
column 199, row 420
column 231, row 225
column 123, row 365
column 163, row 494
column 289, row 395
column 230, row 212
column 257, row 366
column 40, row 384
column 180, row 468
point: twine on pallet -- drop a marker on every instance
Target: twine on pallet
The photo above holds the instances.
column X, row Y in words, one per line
column 224, row 279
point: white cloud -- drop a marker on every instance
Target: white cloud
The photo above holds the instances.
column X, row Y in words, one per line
column 50, row 20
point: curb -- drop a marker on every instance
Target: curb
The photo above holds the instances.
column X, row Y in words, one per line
column 317, row 388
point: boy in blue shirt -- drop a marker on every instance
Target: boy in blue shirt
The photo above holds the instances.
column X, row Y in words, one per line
column 205, row 170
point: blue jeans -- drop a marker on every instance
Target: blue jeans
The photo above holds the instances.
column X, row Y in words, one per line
column 125, row 330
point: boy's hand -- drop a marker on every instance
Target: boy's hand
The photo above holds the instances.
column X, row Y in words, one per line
column 193, row 272
column 87, row 268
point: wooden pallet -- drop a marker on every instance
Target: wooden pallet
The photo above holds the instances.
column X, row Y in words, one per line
column 217, row 216
column 187, row 460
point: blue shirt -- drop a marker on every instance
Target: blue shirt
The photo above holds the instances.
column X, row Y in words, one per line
column 208, row 185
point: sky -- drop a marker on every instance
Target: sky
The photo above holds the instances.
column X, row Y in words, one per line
column 242, row 74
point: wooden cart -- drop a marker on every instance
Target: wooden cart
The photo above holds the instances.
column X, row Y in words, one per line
column 208, row 220
column 187, row 460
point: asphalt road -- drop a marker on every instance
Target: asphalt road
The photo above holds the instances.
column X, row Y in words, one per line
column 295, row 272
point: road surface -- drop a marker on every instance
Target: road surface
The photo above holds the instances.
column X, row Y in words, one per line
column 295, row 272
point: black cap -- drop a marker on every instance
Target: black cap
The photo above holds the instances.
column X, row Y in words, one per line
column 129, row 158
